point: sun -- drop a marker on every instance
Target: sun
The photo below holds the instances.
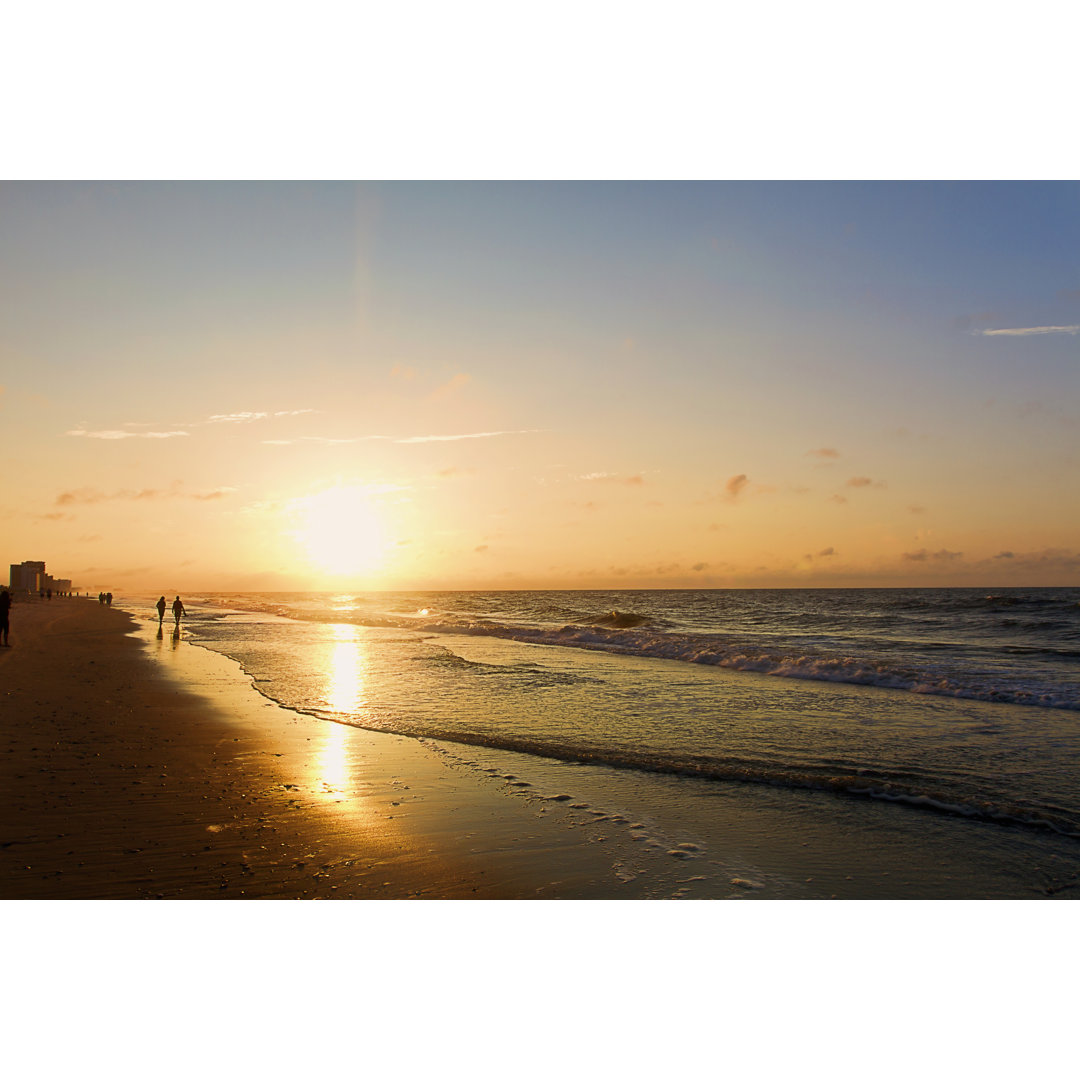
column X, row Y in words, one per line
column 340, row 531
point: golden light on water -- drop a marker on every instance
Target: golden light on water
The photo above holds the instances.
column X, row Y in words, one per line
column 346, row 671
column 344, row 693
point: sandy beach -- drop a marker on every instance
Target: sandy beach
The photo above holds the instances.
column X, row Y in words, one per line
column 160, row 773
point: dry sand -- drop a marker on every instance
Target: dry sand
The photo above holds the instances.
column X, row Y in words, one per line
column 128, row 772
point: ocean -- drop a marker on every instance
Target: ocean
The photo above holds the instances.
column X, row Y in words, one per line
column 849, row 743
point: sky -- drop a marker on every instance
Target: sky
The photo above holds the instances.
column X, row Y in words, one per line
column 441, row 385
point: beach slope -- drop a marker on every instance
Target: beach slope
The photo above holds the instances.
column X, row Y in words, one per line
column 127, row 774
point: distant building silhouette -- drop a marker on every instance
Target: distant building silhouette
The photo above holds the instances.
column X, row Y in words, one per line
column 30, row 577
column 27, row 577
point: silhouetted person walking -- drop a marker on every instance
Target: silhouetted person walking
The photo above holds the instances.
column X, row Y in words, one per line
column 178, row 610
column 161, row 610
column 5, row 611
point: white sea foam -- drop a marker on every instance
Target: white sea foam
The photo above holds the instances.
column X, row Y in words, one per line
column 768, row 660
column 967, row 759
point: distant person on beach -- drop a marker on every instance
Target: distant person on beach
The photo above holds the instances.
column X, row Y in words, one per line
column 178, row 610
column 108, row 599
column 161, row 610
column 5, row 608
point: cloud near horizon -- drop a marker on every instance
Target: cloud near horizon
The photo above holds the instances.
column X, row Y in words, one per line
column 922, row 555
column 1049, row 558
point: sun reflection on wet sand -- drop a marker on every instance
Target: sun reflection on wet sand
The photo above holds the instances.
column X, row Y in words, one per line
column 332, row 765
column 344, row 693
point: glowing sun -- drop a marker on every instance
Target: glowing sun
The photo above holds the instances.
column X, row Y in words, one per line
column 340, row 531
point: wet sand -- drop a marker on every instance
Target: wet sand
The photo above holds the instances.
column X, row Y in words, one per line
column 136, row 773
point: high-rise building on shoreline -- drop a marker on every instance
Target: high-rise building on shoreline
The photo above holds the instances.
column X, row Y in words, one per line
column 30, row 577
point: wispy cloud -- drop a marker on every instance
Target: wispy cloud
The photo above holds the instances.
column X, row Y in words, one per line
column 235, row 418
column 735, row 486
column 128, row 432
column 90, row 496
column 922, row 555
column 614, row 478
column 113, row 434
column 324, row 439
column 458, row 382
column 1026, row 331
column 455, row 438
column 823, row 452
column 251, row 417
column 394, row 438
column 864, row 481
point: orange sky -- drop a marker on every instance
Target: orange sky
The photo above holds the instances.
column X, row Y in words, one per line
column 299, row 386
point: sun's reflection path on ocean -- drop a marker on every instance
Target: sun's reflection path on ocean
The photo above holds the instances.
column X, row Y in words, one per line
column 345, row 693
column 347, row 671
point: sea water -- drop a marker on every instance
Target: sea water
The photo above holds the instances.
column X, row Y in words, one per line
column 787, row 743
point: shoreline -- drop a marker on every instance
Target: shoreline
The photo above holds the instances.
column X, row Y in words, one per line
column 138, row 764
column 130, row 773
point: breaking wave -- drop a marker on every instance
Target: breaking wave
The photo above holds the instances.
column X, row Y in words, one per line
column 768, row 659
column 1031, row 665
